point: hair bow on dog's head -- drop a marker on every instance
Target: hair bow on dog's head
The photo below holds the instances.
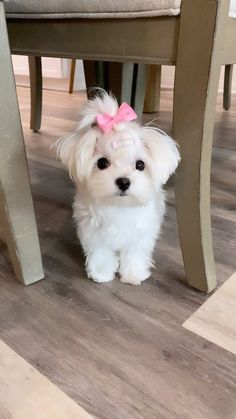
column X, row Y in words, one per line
column 124, row 114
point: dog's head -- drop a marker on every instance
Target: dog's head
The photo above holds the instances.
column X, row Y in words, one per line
column 127, row 164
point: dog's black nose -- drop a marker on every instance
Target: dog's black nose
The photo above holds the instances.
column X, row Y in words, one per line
column 123, row 183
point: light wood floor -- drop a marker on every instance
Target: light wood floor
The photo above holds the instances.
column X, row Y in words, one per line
column 120, row 351
column 215, row 320
column 27, row 394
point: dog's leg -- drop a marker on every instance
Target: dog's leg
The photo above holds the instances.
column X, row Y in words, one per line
column 102, row 265
column 135, row 265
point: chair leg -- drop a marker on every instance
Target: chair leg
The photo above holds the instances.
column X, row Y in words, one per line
column 90, row 76
column 113, row 82
column 140, row 89
column 196, row 83
column 227, row 86
column 35, row 71
column 153, row 90
column 115, row 79
column 134, row 80
column 16, row 207
column 127, row 82
column 102, row 74
column 72, row 75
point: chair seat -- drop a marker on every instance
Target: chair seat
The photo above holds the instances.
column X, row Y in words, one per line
column 61, row 9
column 42, row 9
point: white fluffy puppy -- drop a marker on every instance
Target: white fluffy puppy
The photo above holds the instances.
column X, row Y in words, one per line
column 119, row 168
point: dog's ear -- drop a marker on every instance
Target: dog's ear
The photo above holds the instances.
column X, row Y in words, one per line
column 76, row 153
column 163, row 153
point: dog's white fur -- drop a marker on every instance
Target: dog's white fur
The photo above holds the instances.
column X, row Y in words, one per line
column 117, row 232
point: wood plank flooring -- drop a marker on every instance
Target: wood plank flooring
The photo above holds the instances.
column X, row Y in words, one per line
column 215, row 320
column 120, row 351
column 26, row 394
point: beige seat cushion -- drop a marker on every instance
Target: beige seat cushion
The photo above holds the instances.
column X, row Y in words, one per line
column 38, row 9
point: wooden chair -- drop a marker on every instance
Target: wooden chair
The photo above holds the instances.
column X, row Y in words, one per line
column 16, row 207
column 197, row 42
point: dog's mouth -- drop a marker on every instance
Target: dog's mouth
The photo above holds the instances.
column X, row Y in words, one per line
column 123, row 193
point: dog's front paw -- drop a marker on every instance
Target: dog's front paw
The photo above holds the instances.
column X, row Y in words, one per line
column 130, row 280
column 134, row 267
column 134, row 279
column 102, row 266
column 101, row 275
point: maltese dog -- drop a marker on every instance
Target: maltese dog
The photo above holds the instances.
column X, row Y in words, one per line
column 119, row 168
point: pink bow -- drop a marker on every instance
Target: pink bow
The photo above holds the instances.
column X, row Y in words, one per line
column 124, row 114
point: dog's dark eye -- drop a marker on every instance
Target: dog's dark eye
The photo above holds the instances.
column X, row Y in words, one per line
column 103, row 163
column 140, row 165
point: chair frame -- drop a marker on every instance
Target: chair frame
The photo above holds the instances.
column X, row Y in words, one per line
column 16, row 206
column 162, row 40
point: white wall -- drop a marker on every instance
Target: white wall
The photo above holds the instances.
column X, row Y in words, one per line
column 167, row 80
column 52, row 67
column 79, row 82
